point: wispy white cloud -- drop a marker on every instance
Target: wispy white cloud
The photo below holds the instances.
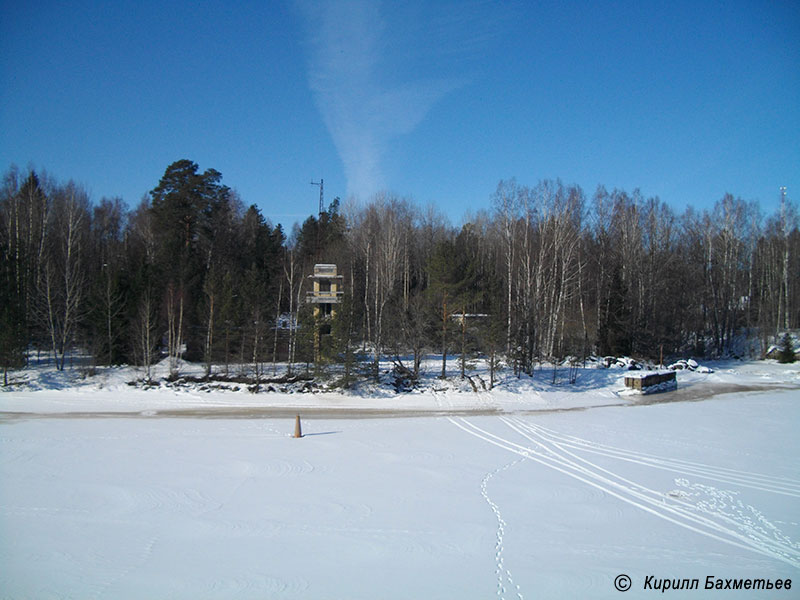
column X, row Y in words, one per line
column 353, row 49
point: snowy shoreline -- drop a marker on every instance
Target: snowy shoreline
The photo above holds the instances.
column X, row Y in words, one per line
column 695, row 393
column 109, row 391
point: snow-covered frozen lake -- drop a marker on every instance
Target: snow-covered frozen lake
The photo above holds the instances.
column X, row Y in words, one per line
column 512, row 505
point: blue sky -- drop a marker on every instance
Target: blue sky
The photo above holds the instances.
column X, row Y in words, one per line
column 435, row 101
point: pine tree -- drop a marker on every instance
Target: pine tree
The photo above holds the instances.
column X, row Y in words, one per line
column 339, row 345
column 190, row 211
column 787, row 349
column 451, row 289
column 614, row 335
column 12, row 321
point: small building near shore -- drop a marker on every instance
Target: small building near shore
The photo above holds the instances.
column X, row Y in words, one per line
column 649, row 382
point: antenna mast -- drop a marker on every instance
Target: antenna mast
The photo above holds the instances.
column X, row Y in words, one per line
column 320, row 183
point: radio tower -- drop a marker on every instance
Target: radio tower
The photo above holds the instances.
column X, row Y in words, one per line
column 320, row 183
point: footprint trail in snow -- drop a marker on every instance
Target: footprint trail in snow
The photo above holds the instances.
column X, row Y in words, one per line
column 505, row 581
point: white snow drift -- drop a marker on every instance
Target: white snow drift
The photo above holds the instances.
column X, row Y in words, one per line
column 531, row 502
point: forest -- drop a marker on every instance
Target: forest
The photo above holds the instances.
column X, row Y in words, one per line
column 545, row 273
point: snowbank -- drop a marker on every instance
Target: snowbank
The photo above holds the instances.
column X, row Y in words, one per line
column 42, row 389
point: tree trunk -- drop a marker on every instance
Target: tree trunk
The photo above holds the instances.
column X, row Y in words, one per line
column 367, row 317
column 256, row 343
column 174, row 328
column 209, row 346
column 492, row 365
column 463, row 341
column 444, row 336
column 51, row 314
column 143, row 332
column 785, row 224
column 275, row 337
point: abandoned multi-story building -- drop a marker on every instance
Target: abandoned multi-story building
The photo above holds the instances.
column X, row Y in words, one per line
column 325, row 294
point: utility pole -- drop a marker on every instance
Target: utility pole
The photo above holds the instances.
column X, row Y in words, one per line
column 320, row 183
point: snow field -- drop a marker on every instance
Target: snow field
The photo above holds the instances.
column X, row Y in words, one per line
column 515, row 505
column 127, row 508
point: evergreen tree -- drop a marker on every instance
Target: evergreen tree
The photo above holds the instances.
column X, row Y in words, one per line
column 190, row 212
column 306, row 335
column 452, row 287
column 787, row 349
column 340, row 346
column 108, row 285
column 12, row 320
column 614, row 336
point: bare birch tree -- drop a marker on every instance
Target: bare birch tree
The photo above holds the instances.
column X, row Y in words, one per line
column 174, row 303
column 505, row 206
column 63, row 284
column 144, row 333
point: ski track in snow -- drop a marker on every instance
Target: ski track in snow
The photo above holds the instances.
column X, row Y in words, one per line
column 703, row 509
column 758, row 481
column 744, row 524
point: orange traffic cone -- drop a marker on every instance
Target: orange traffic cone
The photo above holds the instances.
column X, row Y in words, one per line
column 298, row 433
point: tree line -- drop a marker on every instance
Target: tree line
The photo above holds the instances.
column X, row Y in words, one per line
column 545, row 272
